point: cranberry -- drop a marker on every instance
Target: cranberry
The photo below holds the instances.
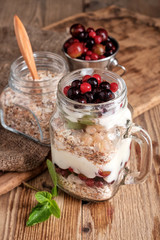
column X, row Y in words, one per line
column 83, row 36
column 90, row 29
column 73, row 92
column 94, row 56
column 85, row 87
column 75, row 50
column 109, row 45
column 85, row 78
column 76, row 29
column 104, row 85
column 65, row 90
column 90, row 182
column 98, row 39
column 114, row 87
column 89, row 43
column 106, row 95
column 89, row 53
column 103, row 33
column 104, row 173
column 87, row 58
column 92, row 34
column 82, row 177
column 93, row 81
column 98, row 77
column 76, row 83
column 99, row 184
column 89, row 96
column 70, row 169
column 98, row 49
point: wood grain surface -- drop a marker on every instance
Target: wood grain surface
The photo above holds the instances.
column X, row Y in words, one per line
column 134, row 212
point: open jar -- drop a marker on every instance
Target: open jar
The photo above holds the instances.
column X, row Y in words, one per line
column 91, row 143
column 27, row 104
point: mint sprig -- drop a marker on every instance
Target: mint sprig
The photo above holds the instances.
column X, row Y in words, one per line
column 46, row 206
column 81, row 123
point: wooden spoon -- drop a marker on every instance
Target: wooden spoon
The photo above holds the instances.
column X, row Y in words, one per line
column 25, row 46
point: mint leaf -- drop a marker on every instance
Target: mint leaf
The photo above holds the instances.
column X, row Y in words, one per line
column 81, row 123
column 43, row 196
column 55, row 209
column 75, row 125
column 40, row 213
column 53, row 175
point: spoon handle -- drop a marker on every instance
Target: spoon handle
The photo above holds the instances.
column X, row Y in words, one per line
column 25, row 46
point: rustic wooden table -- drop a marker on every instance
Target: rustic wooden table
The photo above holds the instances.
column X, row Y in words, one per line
column 134, row 213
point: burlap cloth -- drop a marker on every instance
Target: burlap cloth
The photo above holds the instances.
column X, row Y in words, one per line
column 18, row 153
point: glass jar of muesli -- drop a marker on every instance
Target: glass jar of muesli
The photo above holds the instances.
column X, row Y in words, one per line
column 27, row 104
column 91, row 142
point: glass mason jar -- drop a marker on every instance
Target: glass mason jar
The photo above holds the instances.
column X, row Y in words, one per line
column 26, row 104
column 91, row 143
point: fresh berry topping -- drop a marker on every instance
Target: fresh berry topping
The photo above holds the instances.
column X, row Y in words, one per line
column 94, row 56
column 76, row 83
column 106, row 95
column 90, row 182
column 92, row 34
column 89, row 43
column 93, row 82
column 70, row 169
column 65, row 90
column 98, row 77
column 82, row 177
column 90, row 29
column 76, row 29
column 87, row 58
column 82, row 36
column 81, row 99
column 103, row 33
column 89, row 97
column 96, row 92
column 85, row 78
column 85, row 87
column 114, row 87
column 104, row 173
column 73, row 92
column 75, row 50
column 104, row 85
column 98, row 39
column 99, row 49
column 89, row 53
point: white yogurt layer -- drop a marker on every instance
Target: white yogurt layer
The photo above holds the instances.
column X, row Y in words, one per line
column 81, row 165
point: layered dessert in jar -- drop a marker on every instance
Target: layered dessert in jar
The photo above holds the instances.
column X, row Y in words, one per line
column 26, row 104
column 89, row 133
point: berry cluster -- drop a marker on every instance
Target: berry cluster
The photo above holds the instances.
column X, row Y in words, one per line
column 89, row 44
column 91, row 89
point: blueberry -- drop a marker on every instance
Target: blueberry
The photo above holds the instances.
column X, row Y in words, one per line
column 73, row 92
column 93, row 81
column 76, row 83
column 106, row 95
column 104, row 85
column 89, row 96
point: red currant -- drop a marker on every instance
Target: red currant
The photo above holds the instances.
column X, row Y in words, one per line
column 92, row 34
column 94, row 56
column 89, row 53
column 85, row 78
column 85, row 87
column 98, row 77
column 114, row 87
column 87, row 58
column 98, row 39
column 65, row 90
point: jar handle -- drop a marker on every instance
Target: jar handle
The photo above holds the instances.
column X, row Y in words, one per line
column 114, row 63
column 139, row 135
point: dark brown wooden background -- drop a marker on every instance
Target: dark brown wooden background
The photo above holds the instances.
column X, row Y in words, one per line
column 44, row 12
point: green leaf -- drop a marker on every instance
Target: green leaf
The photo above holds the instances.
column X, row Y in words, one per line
column 82, row 122
column 54, row 191
column 87, row 120
column 55, row 209
column 75, row 125
column 53, row 175
column 43, row 196
column 40, row 213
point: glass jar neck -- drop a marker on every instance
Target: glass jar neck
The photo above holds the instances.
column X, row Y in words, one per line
column 52, row 68
column 68, row 106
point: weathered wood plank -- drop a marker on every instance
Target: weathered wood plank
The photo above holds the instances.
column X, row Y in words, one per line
column 134, row 212
column 37, row 13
